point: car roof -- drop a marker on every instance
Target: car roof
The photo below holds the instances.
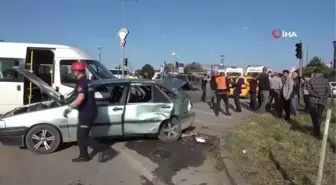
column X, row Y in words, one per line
column 116, row 81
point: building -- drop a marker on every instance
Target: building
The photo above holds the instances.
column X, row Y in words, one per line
column 334, row 64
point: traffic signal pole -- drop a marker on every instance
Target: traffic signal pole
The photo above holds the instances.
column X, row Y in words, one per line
column 301, row 59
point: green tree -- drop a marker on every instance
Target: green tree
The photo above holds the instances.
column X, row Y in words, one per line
column 148, row 69
column 317, row 63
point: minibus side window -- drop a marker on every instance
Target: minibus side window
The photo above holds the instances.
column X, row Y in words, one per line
column 7, row 74
column 67, row 78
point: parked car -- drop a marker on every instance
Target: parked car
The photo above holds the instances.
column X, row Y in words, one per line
column 333, row 88
column 126, row 107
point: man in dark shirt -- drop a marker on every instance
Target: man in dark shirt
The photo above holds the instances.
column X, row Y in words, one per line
column 87, row 112
column 264, row 87
column 253, row 92
column 319, row 91
column 203, row 87
column 237, row 83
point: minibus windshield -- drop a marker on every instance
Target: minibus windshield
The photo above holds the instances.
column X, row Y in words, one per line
column 99, row 69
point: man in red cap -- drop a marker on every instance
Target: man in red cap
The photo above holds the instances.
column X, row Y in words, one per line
column 87, row 112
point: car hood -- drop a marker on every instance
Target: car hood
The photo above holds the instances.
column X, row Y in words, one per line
column 174, row 84
column 53, row 94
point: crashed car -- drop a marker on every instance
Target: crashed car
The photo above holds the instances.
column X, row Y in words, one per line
column 125, row 108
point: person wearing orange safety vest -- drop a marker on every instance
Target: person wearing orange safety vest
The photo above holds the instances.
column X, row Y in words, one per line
column 222, row 93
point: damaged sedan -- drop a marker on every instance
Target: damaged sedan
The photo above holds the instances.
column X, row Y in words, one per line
column 125, row 108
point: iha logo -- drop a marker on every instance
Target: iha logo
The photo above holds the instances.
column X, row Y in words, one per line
column 277, row 34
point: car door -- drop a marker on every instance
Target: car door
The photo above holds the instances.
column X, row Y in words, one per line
column 110, row 105
column 146, row 108
column 11, row 85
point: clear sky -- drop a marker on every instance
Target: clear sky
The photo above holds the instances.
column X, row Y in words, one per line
column 197, row 30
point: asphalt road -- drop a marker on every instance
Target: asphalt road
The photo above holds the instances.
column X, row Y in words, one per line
column 134, row 162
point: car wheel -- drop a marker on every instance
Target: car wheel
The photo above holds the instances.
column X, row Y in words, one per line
column 43, row 139
column 171, row 130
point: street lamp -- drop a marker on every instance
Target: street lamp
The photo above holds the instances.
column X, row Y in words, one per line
column 174, row 60
column 122, row 35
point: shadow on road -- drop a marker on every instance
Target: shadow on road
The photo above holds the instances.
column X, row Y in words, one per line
column 173, row 157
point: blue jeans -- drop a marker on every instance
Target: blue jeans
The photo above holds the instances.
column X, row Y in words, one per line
column 295, row 104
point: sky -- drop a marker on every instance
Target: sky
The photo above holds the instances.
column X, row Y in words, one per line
column 196, row 30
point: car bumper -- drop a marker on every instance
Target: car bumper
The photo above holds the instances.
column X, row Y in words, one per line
column 187, row 119
column 12, row 136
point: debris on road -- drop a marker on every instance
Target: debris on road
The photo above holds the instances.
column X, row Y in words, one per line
column 200, row 139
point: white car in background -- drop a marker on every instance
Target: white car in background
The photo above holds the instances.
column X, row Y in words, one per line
column 117, row 73
column 333, row 88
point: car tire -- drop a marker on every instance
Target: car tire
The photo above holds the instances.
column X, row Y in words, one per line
column 43, row 139
column 171, row 127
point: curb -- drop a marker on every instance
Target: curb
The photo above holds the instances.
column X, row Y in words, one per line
column 230, row 168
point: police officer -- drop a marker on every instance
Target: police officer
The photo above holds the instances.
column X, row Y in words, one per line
column 87, row 112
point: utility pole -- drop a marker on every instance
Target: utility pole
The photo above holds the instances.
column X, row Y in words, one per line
column 100, row 52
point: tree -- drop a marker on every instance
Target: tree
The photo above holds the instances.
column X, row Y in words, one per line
column 316, row 63
column 148, row 69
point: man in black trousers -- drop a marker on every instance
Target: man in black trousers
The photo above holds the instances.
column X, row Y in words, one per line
column 319, row 91
column 237, row 85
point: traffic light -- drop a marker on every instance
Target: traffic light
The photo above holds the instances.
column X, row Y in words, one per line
column 125, row 61
column 298, row 50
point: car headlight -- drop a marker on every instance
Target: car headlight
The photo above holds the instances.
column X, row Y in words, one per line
column 2, row 124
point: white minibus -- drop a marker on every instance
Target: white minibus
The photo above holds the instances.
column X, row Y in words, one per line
column 50, row 62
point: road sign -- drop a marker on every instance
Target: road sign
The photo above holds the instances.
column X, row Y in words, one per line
column 181, row 69
column 123, row 34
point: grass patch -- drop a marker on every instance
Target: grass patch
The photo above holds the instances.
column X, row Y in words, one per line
column 270, row 151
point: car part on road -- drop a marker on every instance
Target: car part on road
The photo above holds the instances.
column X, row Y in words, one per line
column 171, row 130
column 43, row 139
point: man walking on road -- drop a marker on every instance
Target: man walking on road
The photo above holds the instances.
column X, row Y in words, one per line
column 264, row 87
column 253, row 92
column 286, row 93
column 203, row 87
column 87, row 112
column 319, row 91
column 275, row 88
column 212, row 91
column 222, row 93
column 237, row 85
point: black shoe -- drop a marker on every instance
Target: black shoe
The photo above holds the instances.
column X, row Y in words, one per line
column 80, row 159
column 239, row 111
column 228, row 114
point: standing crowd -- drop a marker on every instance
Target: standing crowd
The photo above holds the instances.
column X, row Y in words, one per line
column 279, row 91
